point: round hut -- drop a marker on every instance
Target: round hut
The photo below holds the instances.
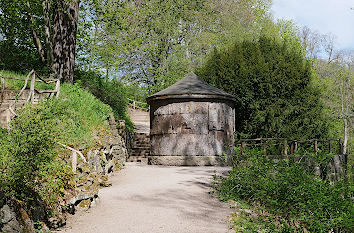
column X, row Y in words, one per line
column 191, row 123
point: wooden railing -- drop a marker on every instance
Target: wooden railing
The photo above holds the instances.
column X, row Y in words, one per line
column 34, row 78
column 289, row 146
column 138, row 105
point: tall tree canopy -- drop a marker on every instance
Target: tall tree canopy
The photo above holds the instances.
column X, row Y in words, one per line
column 154, row 43
column 272, row 85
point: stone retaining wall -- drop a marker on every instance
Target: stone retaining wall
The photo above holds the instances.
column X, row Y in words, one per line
column 108, row 156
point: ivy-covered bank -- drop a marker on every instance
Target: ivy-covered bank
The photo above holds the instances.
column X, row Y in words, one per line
column 38, row 185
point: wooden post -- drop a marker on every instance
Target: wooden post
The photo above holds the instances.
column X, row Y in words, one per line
column 315, row 146
column 57, row 88
column 242, row 148
column 329, row 146
column 8, row 117
column 2, row 83
column 295, row 146
column 33, row 80
column 74, row 161
column 291, row 148
column 285, row 147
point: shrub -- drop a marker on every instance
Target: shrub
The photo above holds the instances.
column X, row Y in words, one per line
column 33, row 167
column 111, row 92
column 289, row 189
column 273, row 89
column 28, row 153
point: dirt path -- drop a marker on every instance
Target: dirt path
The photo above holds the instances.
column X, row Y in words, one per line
column 153, row 199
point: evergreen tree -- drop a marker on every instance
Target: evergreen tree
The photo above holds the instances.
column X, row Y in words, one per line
column 272, row 85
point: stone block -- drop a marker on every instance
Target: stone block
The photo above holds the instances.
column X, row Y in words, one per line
column 187, row 160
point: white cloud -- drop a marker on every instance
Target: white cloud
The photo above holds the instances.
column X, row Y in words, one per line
column 325, row 16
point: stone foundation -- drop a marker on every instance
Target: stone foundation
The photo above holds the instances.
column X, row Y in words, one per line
column 188, row 160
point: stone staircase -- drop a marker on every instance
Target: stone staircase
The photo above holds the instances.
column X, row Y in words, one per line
column 141, row 146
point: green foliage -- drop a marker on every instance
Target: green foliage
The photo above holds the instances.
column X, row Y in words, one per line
column 33, row 166
column 289, row 189
column 17, row 49
column 18, row 58
column 154, row 43
column 272, row 86
column 110, row 92
column 254, row 218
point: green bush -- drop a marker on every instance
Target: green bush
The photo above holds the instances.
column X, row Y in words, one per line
column 33, row 167
column 289, row 189
column 273, row 87
column 14, row 57
column 111, row 92
column 28, row 152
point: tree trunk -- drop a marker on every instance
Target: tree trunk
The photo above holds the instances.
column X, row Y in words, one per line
column 345, row 136
column 36, row 40
column 48, row 34
column 64, row 38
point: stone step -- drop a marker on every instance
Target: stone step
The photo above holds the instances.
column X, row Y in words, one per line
column 140, row 153
column 135, row 148
column 138, row 146
column 142, row 160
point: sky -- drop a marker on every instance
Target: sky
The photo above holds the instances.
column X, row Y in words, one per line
column 324, row 16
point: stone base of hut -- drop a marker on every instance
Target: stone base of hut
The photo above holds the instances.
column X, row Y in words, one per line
column 188, row 160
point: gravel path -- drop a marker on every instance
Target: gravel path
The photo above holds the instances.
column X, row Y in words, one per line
column 153, row 199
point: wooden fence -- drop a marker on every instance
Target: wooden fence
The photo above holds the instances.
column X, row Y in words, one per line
column 138, row 105
column 11, row 99
column 290, row 146
column 34, row 78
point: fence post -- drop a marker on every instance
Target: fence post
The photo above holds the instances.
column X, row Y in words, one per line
column 242, row 147
column 285, row 147
column 295, row 146
column 57, row 88
column 33, row 80
column 74, row 161
column 2, row 83
column 315, row 146
column 329, row 146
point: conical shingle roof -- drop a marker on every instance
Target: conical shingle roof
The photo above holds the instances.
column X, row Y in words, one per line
column 191, row 86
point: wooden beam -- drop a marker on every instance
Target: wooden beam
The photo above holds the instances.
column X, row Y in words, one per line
column 2, row 83
column 32, row 87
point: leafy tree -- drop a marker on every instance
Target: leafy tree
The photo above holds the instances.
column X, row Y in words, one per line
column 334, row 69
column 18, row 33
column 47, row 27
column 154, row 43
column 272, row 85
column 336, row 80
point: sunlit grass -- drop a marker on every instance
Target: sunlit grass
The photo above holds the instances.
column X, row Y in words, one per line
column 12, row 84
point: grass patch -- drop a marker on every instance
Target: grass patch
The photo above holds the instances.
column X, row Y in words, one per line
column 110, row 91
column 18, row 85
column 289, row 190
